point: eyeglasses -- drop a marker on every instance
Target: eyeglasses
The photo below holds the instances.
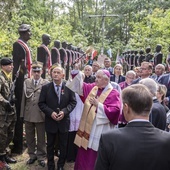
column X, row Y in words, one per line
column 130, row 77
column 36, row 71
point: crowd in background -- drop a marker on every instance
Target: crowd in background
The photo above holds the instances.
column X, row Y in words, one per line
column 73, row 103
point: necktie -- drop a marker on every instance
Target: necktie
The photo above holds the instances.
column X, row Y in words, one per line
column 35, row 83
column 58, row 92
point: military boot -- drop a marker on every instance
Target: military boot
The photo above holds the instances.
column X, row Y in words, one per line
column 3, row 163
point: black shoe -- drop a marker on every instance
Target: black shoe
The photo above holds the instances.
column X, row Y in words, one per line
column 10, row 160
column 60, row 168
column 41, row 163
column 31, row 161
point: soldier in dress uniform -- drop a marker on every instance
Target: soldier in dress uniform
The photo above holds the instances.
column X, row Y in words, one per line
column 128, row 60
column 158, row 56
column 44, row 55
column 34, row 119
column 141, row 57
column 7, row 114
column 63, row 54
column 22, row 64
column 73, row 54
column 149, row 55
column 131, row 60
column 136, row 58
column 55, row 54
column 125, row 61
column 69, row 61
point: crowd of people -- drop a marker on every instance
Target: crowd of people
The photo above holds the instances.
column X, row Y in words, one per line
column 99, row 116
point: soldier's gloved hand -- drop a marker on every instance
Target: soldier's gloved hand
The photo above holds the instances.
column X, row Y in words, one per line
column 8, row 106
column 12, row 102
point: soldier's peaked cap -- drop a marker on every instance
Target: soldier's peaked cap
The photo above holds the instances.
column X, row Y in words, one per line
column 37, row 66
column 24, row 28
column 6, row 61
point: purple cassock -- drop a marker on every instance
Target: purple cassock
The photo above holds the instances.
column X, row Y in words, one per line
column 123, row 85
column 106, row 118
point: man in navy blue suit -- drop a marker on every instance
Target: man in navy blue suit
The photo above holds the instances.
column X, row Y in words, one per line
column 157, row 114
column 165, row 80
column 108, row 65
column 139, row 145
column 159, row 71
column 145, row 71
column 56, row 101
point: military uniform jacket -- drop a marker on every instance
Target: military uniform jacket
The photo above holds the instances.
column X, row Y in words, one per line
column 5, row 85
column 29, row 105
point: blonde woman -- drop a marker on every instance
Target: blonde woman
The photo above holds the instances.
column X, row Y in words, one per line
column 161, row 93
column 137, row 71
column 117, row 75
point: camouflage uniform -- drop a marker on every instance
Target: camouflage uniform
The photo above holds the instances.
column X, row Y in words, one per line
column 7, row 123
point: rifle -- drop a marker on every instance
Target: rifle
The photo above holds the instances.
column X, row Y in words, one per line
column 11, row 97
column 89, row 50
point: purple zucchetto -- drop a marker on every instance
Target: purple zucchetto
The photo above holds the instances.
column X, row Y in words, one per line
column 106, row 72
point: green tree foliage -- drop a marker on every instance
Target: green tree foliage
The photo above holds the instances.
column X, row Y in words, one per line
column 139, row 23
column 152, row 30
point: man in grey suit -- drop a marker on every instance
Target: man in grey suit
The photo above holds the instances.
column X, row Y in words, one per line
column 34, row 119
column 139, row 145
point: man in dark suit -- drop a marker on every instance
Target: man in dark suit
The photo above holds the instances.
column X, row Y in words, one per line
column 157, row 114
column 145, row 71
column 165, row 80
column 139, row 145
column 108, row 65
column 56, row 101
column 159, row 71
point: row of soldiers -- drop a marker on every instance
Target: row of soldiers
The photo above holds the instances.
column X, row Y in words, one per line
column 133, row 58
column 21, row 64
column 62, row 53
column 22, row 60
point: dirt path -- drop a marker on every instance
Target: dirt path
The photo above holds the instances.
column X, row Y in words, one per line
column 22, row 159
